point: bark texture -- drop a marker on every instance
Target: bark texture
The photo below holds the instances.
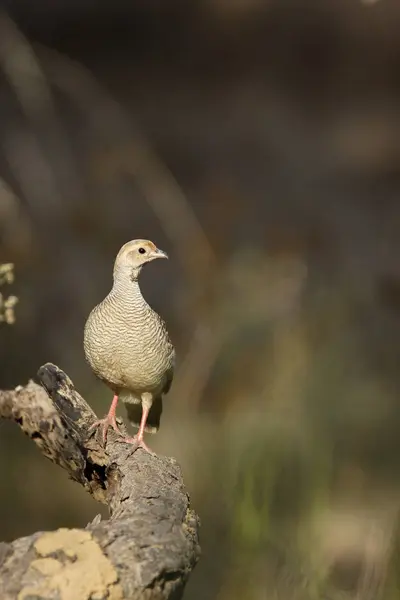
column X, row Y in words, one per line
column 148, row 547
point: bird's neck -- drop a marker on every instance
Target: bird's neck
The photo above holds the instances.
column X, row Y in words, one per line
column 126, row 288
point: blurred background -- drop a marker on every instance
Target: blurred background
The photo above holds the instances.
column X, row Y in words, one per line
column 258, row 143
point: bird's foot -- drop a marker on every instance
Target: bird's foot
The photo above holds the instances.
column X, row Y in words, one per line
column 105, row 424
column 137, row 442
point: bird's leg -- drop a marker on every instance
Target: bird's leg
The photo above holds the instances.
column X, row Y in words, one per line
column 138, row 440
column 108, row 421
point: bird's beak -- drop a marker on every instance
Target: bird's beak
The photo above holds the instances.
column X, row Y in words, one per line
column 159, row 253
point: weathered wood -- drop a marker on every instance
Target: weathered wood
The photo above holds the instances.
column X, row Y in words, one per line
column 149, row 545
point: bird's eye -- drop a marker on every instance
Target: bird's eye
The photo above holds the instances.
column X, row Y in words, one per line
column 142, row 251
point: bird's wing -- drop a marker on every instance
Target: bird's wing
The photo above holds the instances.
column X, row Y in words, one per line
column 169, row 375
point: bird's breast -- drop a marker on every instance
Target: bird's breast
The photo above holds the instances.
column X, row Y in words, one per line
column 128, row 347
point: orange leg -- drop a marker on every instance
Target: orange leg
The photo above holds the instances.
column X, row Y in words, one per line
column 108, row 421
column 137, row 440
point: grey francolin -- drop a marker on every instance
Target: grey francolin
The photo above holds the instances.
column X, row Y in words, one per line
column 127, row 345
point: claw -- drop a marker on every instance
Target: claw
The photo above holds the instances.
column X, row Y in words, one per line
column 137, row 442
column 108, row 421
column 105, row 424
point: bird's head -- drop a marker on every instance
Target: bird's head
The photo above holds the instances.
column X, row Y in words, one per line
column 134, row 254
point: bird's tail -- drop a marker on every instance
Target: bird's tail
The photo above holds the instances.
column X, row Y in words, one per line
column 134, row 412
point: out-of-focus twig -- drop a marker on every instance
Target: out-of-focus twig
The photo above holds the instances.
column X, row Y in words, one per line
column 23, row 71
column 8, row 303
column 15, row 225
column 37, row 155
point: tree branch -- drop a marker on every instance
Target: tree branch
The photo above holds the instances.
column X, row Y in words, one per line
column 149, row 545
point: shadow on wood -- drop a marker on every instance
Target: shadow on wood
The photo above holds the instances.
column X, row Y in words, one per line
column 148, row 547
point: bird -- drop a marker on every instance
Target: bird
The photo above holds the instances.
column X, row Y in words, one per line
column 127, row 346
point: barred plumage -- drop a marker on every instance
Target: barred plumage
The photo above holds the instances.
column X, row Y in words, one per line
column 127, row 345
